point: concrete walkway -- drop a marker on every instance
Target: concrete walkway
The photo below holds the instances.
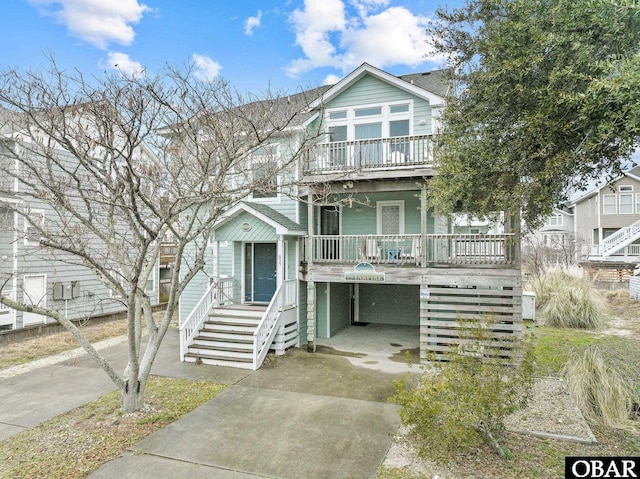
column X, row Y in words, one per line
column 301, row 415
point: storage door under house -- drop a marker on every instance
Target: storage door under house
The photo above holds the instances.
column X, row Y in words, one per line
column 34, row 293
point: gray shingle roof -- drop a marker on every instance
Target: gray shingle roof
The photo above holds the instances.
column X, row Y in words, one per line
column 436, row 81
column 275, row 216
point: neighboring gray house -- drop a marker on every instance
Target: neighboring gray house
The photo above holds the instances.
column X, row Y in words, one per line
column 28, row 272
column 607, row 220
column 354, row 242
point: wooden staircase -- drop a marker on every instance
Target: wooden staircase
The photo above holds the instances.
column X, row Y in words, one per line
column 226, row 337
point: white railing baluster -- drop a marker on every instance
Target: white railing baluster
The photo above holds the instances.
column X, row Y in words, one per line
column 220, row 292
column 456, row 249
column 285, row 297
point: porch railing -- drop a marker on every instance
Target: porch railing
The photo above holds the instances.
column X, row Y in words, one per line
column 417, row 250
column 220, row 292
column 369, row 154
column 467, row 249
column 285, row 297
column 629, row 250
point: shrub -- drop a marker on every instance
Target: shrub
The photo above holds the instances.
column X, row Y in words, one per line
column 598, row 389
column 463, row 400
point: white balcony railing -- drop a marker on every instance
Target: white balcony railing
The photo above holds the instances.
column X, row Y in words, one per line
column 417, row 250
column 370, row 154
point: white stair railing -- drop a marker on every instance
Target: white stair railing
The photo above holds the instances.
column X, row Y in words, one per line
column 218, row 293
column 620, row 238
column 284, row 297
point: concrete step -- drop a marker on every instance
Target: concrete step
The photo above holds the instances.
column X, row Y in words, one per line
column 215, row 360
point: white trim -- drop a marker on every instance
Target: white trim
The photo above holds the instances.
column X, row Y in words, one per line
column 328, row 309
column 380, row 204
column 240, row 207
column 27, row 222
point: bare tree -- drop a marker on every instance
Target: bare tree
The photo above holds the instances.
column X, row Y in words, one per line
column 539, row 254
column 118, row 162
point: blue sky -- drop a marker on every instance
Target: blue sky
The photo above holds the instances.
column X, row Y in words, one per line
column 274, row 44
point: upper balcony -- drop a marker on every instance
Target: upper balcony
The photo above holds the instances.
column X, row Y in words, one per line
column 422, row 251
column 167, row 253
column 403, row 156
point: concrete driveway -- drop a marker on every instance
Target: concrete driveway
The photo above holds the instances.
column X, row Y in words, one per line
column 301, row 415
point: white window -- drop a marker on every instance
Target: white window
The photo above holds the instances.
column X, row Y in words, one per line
column 371, row 111
column 264, row 165
column 401, row 108
column 609, row 204
column 150, row 286
column 638, row 203
column 33, row 226
column 338, row 115
column 390, row 217
column 554, row 220
column 625, row 188
column 626, row 204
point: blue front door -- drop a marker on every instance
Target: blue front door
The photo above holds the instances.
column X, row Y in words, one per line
column 264, row 271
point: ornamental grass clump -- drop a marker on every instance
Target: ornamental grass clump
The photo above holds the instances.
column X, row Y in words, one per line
column 566, row 300
column 577, row 305
column 598, row 389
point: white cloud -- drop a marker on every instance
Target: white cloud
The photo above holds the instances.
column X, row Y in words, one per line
column 331, row 80
column 331, row 35
column 252, row 23
column 98, row 22
column 206, row 68
column 122, row 63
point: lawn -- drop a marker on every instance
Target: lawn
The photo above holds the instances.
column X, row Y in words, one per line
column 74, row 444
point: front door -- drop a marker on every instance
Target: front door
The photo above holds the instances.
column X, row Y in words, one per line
column 264, row 271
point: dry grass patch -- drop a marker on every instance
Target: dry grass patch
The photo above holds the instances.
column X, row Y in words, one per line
column 74, row 444
column 21, row 352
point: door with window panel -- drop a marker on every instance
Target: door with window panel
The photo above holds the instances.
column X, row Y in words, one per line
column 391, row 226
column 368, row 137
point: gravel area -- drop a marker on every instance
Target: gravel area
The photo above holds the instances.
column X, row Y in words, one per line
column 551, row 413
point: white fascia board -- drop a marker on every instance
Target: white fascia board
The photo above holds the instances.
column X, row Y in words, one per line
column 240, row 207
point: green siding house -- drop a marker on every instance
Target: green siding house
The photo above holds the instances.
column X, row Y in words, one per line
column 351, row 240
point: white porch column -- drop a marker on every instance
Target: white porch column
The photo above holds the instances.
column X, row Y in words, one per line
column 423, row 225
column 280, row 272
column 311, row 317
column 310, row 228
